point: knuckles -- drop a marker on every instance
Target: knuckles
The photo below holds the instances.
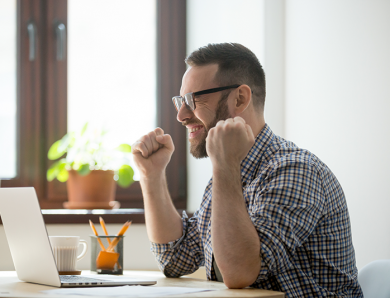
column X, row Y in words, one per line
column 152, row 134
column 229, row 126
column 136, row 146
column 144, row 139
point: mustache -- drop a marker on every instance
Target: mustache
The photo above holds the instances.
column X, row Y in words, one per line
column 185, row 123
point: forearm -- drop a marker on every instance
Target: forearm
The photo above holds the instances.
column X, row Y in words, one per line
column 163, row 222
column 184, row 256
column 236, row 244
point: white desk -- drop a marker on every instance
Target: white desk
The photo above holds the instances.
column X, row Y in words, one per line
column 11, row 286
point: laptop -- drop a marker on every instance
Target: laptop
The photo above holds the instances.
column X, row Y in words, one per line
column 30, row 246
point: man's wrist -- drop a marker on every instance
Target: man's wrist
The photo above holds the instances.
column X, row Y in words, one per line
column 153, row 179
column 226, row 173
column 228, row 169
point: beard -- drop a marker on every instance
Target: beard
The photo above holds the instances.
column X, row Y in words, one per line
column 198, row 150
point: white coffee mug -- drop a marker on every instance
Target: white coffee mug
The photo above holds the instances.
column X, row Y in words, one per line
column 65, row 251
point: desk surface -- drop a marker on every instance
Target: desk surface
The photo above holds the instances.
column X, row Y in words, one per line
column 11, row 286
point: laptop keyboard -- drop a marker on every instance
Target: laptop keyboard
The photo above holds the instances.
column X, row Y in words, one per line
column 80, row 280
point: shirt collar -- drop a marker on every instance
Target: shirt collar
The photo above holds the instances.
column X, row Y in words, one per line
column 251, row 161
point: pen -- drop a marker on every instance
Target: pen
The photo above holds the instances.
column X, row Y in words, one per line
column 103, row 224
column 96, row 234
column 121, row 233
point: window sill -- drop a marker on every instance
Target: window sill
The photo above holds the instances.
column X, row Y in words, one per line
column 77, row 216
column 82, row 216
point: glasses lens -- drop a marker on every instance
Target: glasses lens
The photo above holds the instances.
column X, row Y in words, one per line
column 190, row 101
column 177, row 101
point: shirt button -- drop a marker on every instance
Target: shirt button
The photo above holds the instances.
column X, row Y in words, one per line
column 243, row 184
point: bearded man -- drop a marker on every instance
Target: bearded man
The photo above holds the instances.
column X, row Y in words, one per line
column 273, row 216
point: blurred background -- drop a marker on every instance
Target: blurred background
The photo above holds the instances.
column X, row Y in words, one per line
column 327, row 67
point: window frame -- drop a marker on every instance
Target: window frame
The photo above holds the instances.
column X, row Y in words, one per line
column 42, row 100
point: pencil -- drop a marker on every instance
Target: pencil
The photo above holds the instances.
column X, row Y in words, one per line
column 121, row 233
column 103, row 224
column 96, row 234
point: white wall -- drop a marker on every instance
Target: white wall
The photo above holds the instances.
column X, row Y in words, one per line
column 337, row 104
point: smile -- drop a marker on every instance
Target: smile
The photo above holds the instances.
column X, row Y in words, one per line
column 193, row 129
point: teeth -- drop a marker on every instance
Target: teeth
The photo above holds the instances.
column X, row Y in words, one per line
column 194, row 129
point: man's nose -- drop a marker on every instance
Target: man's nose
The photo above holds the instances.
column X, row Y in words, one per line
column 184, row 113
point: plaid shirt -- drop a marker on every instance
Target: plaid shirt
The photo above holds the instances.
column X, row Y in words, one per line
column 299, row 211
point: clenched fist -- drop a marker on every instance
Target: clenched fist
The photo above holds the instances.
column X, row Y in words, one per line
column 152, row 152
column 229, row 142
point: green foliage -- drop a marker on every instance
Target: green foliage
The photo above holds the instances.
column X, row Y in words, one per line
column 124, row 148
column 84, row 170
column 88, row 150
column 126, row 174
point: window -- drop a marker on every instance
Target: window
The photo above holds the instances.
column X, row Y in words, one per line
column 112, row 68
column 44, row 99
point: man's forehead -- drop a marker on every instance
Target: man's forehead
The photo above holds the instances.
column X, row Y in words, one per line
column 198, row 78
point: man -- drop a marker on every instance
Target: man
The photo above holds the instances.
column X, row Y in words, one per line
column 273, row 216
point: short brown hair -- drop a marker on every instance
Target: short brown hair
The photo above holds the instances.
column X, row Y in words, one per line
column 236, row 65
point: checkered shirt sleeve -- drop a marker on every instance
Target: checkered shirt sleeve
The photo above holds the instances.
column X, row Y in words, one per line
column 184, row 255
column 286, row 207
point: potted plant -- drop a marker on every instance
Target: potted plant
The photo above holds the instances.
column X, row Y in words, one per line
column 90, row 168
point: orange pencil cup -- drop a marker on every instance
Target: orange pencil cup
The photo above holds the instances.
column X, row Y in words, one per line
column 107, row 262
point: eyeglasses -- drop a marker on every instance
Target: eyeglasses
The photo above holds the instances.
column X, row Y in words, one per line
column 189, row 98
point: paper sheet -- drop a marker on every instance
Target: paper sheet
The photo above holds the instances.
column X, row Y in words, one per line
column 126, row 291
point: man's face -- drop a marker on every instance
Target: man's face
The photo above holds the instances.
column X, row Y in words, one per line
column 210, row 108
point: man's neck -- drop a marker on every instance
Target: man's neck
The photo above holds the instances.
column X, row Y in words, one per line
column 257, row 122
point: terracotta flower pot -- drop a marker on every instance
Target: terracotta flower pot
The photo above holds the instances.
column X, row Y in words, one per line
column 93, row 191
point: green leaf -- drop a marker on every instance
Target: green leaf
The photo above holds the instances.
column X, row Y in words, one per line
column 64, row 143
column 125, row 174
column 72, row 139
column 54, row 151
column 124, row 148
column 51, row 174
column 63, row 175
column 55, row 169
column 84, row 129
column 84, row 170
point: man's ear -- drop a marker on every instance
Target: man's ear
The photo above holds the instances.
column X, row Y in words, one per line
column 242, row 99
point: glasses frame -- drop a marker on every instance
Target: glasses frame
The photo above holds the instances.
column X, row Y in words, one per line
column 188, row 98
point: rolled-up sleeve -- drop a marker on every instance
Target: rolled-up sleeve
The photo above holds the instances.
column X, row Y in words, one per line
column 184, row 255
column 286, row 208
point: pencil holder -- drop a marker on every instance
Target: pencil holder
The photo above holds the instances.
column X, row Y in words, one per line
column 109, row 260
